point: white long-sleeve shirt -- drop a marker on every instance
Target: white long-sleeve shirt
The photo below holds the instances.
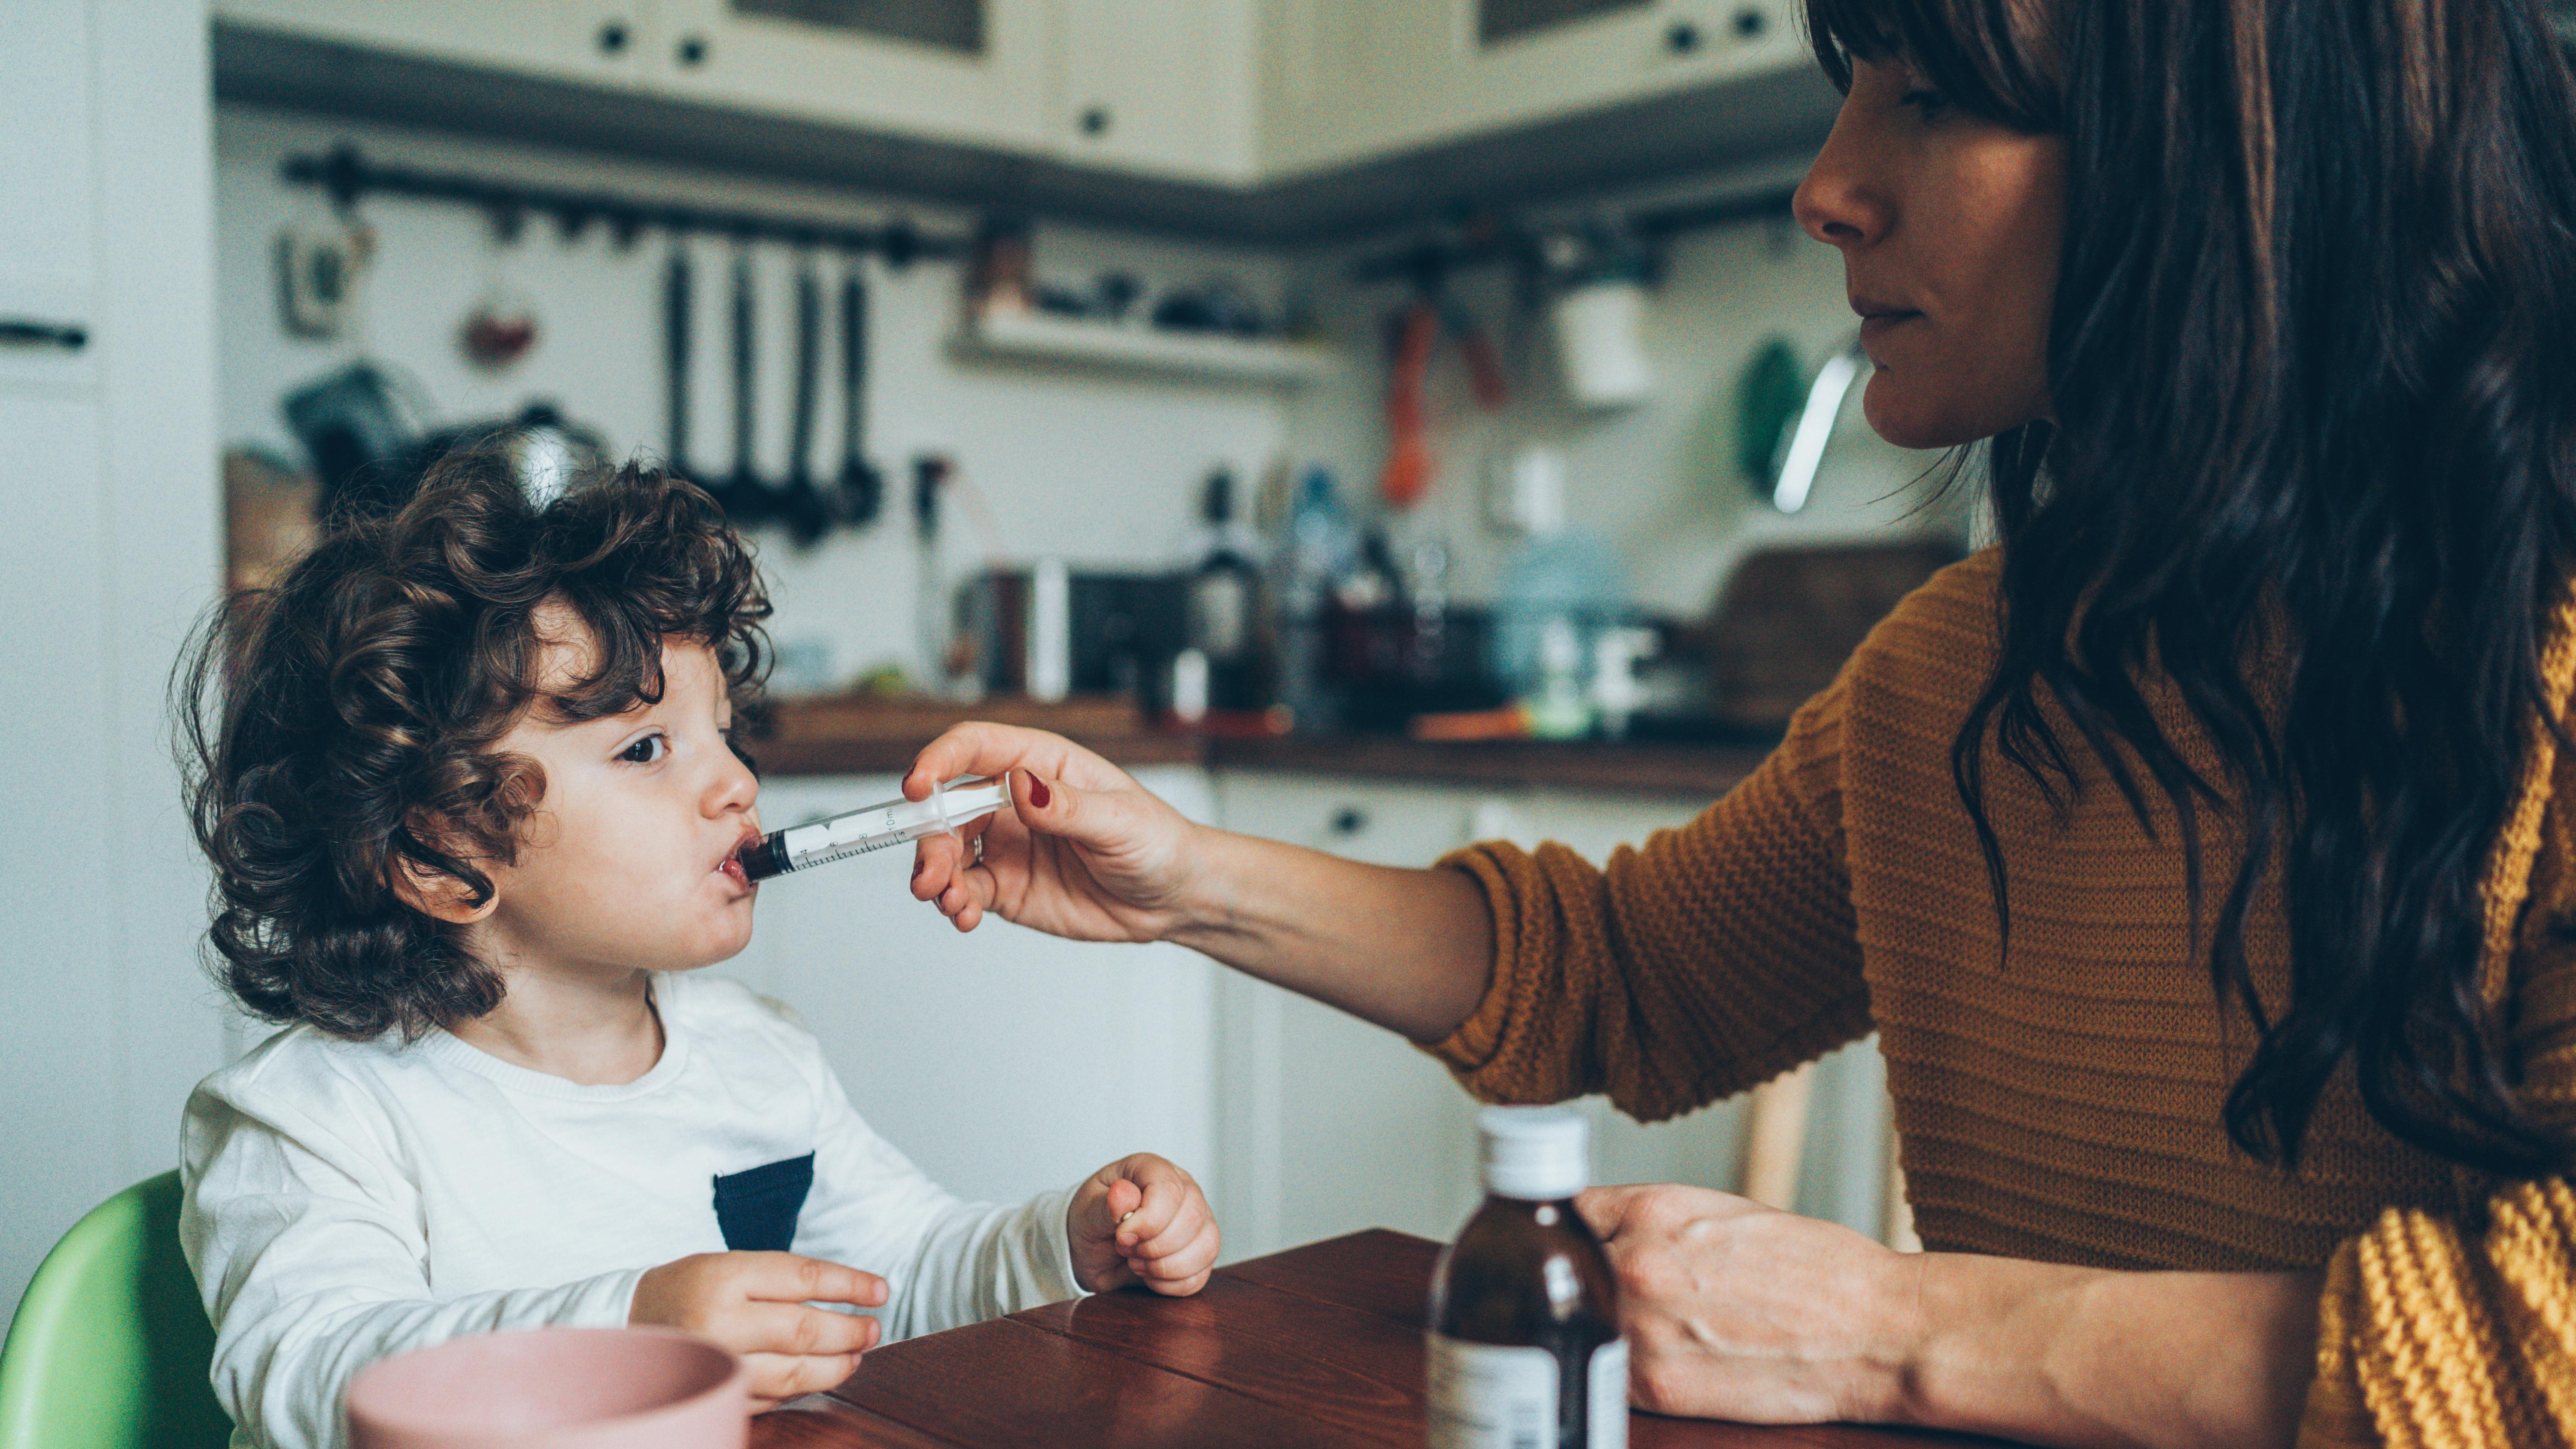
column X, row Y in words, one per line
column 351, row 1200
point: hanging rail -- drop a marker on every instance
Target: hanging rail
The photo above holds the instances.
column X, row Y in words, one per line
column 346, row 176
column 1486, row 241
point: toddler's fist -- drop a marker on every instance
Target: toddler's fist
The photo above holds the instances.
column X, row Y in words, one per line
column 1141, row 1220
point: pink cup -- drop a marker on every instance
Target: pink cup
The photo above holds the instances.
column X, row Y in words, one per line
column 554, row 1388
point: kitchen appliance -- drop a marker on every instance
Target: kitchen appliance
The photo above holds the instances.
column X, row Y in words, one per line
column 360, row 431
column 1119, row 635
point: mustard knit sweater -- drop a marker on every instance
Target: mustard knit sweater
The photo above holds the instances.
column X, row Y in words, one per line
column 2067, row 1107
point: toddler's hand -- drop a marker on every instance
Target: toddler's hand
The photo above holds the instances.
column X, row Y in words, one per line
column 1141, row 1220
column 756, row 1305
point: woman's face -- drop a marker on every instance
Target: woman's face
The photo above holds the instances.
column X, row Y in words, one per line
column 1948, row 225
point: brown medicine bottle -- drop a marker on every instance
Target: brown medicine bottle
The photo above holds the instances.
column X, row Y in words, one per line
column 1524, row 1346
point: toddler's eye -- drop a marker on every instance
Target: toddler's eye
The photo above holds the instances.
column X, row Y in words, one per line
column 646, row 750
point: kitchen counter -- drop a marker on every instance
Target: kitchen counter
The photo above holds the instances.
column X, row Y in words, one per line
column 838, row 737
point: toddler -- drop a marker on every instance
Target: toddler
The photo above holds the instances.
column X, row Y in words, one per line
column 472, row 796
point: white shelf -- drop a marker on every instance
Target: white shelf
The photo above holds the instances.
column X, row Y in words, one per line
column 1036, row 337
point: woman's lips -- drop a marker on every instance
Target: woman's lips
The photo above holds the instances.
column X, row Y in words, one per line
column 1875, row 327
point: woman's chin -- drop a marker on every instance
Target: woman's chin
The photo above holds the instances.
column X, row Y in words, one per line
column 1907, row 419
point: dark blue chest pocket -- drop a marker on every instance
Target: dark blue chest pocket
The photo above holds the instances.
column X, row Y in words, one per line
column 757, row 1207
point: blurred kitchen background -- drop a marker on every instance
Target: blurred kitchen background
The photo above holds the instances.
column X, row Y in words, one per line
column 1380, row 424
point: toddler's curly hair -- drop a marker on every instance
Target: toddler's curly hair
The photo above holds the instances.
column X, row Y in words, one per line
column 341, row 727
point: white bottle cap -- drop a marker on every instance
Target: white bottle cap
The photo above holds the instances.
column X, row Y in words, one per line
column 1536, row 1154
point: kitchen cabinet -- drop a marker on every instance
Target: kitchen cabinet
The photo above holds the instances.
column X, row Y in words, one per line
column 1348, row 82
column 979, row 78
column 597, row 40
column 48, row 227
column 1256, row 119
column 1156, row 86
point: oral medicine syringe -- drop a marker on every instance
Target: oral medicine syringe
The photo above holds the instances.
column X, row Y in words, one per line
column 896, row 822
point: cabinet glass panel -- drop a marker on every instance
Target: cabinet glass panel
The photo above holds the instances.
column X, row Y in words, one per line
column 1501, row 20
column 952, row 25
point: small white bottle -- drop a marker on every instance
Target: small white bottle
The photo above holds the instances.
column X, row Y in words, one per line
column 1524, row 1349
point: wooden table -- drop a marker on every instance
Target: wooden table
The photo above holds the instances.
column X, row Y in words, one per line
column 1320, row 1346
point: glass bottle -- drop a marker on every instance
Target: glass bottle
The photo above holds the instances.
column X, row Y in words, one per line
column 1524, row 1349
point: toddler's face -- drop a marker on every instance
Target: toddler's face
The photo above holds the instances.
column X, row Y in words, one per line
column 624, row 862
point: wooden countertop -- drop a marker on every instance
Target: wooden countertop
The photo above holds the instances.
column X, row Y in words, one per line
column 848, row 737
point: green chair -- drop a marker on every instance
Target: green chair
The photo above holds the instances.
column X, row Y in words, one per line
column 110, row 1347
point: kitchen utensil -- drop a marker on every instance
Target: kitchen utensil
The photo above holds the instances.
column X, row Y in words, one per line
column 862, row 486
column 1409, row 464
column 1600, row 336
column 808, row 514
column 1408, row 457
column 554, row 1388
column 745, row 498
column 677, row 301
column 1768, row 399
column 319, row 267
column 1802, row 448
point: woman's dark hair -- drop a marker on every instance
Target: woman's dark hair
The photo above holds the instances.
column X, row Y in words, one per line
column 2313, row 460
column 340, row 727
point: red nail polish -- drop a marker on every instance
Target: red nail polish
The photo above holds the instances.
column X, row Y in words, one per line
column 1038, row 794
column 918, row 867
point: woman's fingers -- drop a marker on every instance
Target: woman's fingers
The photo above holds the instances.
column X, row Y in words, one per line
column 980, row 749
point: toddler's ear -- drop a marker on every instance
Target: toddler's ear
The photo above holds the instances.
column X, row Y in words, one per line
column 438, row 895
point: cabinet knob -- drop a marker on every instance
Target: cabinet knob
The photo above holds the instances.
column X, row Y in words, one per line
column 1683, row 38
column 1095, row 121
column 1751, row 23
column 693, row 50
column 613, row 37
column 1349, row 820
column 28, row 332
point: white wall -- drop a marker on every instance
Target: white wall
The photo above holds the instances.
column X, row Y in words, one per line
column 107, row 462
column 1096, row 468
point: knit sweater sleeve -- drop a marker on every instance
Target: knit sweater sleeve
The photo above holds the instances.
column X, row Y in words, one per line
column 1717, row 956
column 2439, row 1332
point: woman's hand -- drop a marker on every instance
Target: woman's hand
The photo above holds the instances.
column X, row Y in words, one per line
column 1085, row 852
column 1738, row 1311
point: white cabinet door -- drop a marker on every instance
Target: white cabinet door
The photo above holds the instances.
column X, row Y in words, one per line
column 48, row 230
column 60, row 1070
column 1332, row 1125
column 1159, row 86
column 1346, row 80
column 982, row 82
column 578, row 39
column 1005, row 1063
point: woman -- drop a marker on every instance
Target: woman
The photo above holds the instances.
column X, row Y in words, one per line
column 2205, row 854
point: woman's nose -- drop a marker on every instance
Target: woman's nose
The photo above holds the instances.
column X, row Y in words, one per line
column 1841, row 202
